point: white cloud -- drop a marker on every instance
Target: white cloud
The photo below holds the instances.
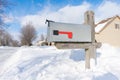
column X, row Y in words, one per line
column 37, row 20
column 71, row 14
column 107, row 9
column 8, row 19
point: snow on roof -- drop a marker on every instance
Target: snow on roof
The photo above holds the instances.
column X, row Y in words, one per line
column 102, row 24
column 99, row 27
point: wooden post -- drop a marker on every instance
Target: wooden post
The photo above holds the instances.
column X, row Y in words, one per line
column 87, row 58
column 91, row 51
column 89, row 19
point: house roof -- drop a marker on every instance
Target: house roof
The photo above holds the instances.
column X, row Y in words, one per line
column 103, row 24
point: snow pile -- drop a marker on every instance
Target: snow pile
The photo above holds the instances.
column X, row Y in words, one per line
column 49, row 63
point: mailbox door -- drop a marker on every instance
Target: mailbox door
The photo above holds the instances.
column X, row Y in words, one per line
column 65, row 32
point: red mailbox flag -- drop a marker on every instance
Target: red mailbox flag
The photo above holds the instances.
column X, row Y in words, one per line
column 69, row 34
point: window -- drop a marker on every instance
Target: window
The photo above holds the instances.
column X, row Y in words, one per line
column 117, row 26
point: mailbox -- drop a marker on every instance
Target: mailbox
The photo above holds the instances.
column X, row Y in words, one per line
column 67, row 32
column 74, row 36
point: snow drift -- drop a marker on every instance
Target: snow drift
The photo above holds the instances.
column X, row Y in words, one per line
column 49, row 63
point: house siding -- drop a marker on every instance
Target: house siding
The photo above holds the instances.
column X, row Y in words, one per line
column 110, row 34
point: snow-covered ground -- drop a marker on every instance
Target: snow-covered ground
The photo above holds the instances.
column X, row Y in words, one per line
column 49, row 63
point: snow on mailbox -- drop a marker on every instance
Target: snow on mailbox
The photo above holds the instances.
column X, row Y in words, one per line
column 67, row 32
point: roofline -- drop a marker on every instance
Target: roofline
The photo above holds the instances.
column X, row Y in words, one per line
column 108, row 23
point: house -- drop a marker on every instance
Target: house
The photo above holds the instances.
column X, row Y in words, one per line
column 108, row 31
column 44, row 43
column 41, row 43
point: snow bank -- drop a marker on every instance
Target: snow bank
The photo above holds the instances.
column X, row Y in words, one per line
column 49, row 63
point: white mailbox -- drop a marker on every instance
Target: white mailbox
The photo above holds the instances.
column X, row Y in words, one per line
column 67, row 32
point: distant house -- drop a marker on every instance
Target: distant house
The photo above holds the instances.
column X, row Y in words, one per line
column 41, row 43
column 44, row 43
column 108, row 31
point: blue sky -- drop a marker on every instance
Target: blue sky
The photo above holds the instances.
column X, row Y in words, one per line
column 24, row 7
column 36, row 11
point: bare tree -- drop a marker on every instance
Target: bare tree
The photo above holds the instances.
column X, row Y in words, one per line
column 15, row 43
column 5, row 39
column 8, row 39
column 1, row 36
column 28, row 34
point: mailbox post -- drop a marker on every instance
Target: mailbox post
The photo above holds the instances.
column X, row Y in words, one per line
column 91, row 51
column 73, row 36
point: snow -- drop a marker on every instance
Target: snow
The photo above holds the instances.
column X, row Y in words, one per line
column 50, row 63
column 99, row 27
